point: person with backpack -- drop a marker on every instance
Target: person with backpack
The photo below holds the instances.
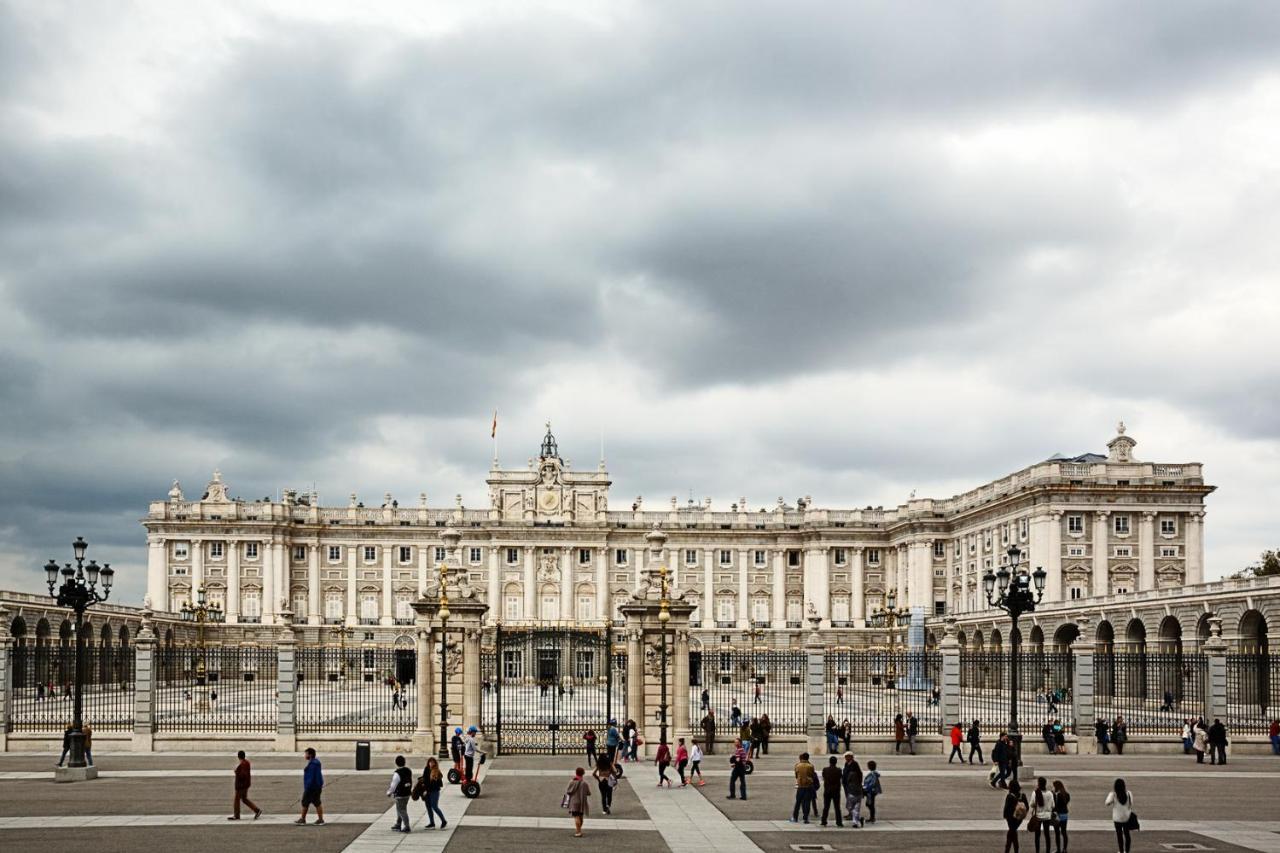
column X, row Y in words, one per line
column 805, row 779
column 871, row 788
column 400, row 788
column 695, row 764
column 1122, row 815
column 605, row 781
column 244, row 778
column 455, row 749
column 1061, row 814
column 975, row 742
column 955, row 744
column 1041, row 808
column 1015, row 812
column 852, row 779
column 429, row 788
column 832, row 786
column 738, row 760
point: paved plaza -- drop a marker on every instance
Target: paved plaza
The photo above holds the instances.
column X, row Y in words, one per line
column 143, row 801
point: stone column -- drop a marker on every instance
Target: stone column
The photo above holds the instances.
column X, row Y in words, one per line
column 635, row 676
column 1082, row 687
column 197, row 567
column 494, row 583
column 471, row 675
column 639, row 568
column 680, row 686
column 815, row 653
column 1146, row 550
column 283, row 577
column 709, row 588
column 1039, row 554
column 1194, row 545
column 157, row 573
column 314, row 615
column 267, row 612
column 144, row 685
column 1054, row 566
column 920, row 575
column 950, row 687
column 286, row 684
column 822, row 583
column 529, row 582
column 744, row 603
column 424, row 741
column 779, row 591
column 353, row 583
column 1101, row 579
column 1215, row 650
column 602, row 585
column 6, row 680
column 385, row 615
column 424, row 568
column 859, row 604
column 567, row 583
column 232, row 604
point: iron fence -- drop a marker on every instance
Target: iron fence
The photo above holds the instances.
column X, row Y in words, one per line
column 42, row 683
column 358, row 690
column 755, row 682
column 1253, row 693
column 216, row 689
column 870, row 689
column 1044, row 689
column 1153, row 692
column 549, row 685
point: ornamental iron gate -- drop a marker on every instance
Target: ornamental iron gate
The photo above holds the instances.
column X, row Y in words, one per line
column 542, row 688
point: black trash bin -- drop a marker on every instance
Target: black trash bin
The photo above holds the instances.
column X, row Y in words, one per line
column 362, row 755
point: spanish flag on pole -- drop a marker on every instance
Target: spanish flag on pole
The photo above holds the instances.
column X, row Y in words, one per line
column 493, row 433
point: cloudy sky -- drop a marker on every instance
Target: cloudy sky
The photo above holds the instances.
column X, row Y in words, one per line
column 838, row 249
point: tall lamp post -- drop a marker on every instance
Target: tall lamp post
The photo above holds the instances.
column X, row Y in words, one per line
column 200, row 613
column 443, row 613
column 889, row 617
column 79, row 591
column 664, row 616
column 1010, row 590
column 342, row 632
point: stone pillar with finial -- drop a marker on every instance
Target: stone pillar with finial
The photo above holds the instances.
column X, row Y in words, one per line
column 1083, row 686
column 6, row 688
column 144, row 682
column 815, row 654
column 286, row 680
column 950, row 687
column 1215, row 652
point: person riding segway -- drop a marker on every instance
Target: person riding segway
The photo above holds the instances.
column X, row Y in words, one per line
column 455, row 755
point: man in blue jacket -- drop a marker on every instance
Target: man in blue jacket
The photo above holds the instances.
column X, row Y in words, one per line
column 312, row 785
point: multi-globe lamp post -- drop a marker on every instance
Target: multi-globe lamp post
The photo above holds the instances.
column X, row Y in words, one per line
column 79, row 591
column 443, row 612
column 890, row 617
column 664, row 617
column 200, row 613
column 1015, row 591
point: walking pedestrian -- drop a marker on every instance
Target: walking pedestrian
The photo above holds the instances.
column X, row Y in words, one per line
column 1061, row 814
column 871, row 788
column 611, row 740
column 705, row 700
column 399, row 790
column 66, row 743
column 756, row 700
column 757, row 736
column 576, row 799
column 1015, row 811
column 766, row 726
column 1041, row 813
column 431, row 784
column 851, row 777
column 739, row 772
column 605, row 780
column 1274, row 734
column 589, row 737
column 1217, row 742
column 840, row 695
column 899, row 732
column 735, row 714
column 975, row 742
column 832, row 787
column 312, row 785
column 682, row 761
column 1122, row 815
column 1001, row 755
column 243, row 778
column 695, row 764
column 663, row 760
column 804, row 788
column 913, row 731
column 955, row 744
column 1199, row 740
column 709, row 731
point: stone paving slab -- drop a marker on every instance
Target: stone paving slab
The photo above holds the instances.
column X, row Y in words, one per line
column 485, row 839
column 968, row 841
column 189, row 839
column 96, row 821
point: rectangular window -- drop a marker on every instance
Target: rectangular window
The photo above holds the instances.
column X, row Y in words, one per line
column 1121, row 590
column 841, row 557
column 873, row 556
column 513, row 556
column 1122, row 525
column 726, row 558
column 215, row 550
column 939, row 549
column 511, row 606
column 793, row 559
column 1169, row 551
column 940, row 608
column 1023, row 529
column 1004, row 534
column 368, row 609
column 957, row 547
column 584, row 664
column 584, row 556
column 690, row 557
column 370, row 553
column 1076, row 592
column 1075, row 524
column 512, row 665
column 404, row 611
column 333, row 607
column 440, row 552
column 759, row 557
column 840, row 609
column 620, row 556
column 1124, row 551
column 586, row 608
column 250, row 606
column 1075, row 551
column 1168, row 527
column 335, row 553
column 473, row 556
column 406, row 553
column 299, row 553
column 181, row 550
column 251, row 550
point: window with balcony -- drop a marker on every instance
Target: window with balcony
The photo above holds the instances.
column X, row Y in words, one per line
column 250, row 606
column 369, row 609
column 333, row 607
column 512, row 606
column 586, row 608
column 404, row 610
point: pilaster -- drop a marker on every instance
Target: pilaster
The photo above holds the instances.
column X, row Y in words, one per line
column 385, row 616
column 680, row 684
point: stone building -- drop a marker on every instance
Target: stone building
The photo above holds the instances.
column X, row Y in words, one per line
column 549, row 548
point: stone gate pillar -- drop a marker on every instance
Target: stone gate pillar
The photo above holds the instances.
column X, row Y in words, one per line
column 680, row 707
column 635, row 675
column 950, row 687
column 815, row 684
column 6, row 703
column 144, row 685
column 1082, row 687
column 1215, row 651
column 286, row 681
column 424, row 733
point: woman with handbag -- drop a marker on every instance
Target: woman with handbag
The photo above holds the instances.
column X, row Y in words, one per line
column 1061, row 814
column 1041, row 809
column 576, row 799
column 605, row 781
column 1122, row 815
column 1015, row 811
column 429, row 787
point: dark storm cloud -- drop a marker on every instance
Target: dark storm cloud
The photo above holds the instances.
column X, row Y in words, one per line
column 322, row 232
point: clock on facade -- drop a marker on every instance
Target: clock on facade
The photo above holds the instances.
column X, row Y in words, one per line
column 549, row 501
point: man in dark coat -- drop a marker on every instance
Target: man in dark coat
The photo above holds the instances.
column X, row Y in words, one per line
column 709, row 729
column 244, row 779
column 1217, row 742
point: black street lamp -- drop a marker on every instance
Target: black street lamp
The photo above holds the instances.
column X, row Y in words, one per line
column 342, row 632
column 664, row 616
column 200, row 613
column 890, row 618
column 79, row 591
column 1010, row 590
column 443, row 613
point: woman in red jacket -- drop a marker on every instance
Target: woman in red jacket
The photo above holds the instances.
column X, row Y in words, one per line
column 663, row 758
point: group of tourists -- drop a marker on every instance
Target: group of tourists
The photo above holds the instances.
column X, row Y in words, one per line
column 844, row 788
column 87, row 731
column 1198, row 737
column 1108, row 734
column 1047, row 813
column 754, row 732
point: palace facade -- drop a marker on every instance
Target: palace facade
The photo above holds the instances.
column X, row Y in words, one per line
column 548, row 547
